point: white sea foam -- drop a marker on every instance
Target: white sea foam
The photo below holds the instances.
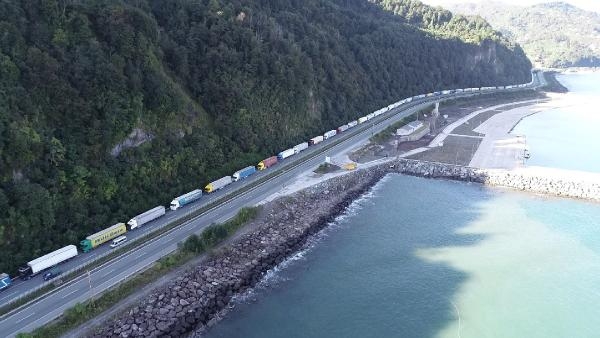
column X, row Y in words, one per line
column 276, row 276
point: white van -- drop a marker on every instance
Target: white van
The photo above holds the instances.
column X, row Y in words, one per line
column 118, row 241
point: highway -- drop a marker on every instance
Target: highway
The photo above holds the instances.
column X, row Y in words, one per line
column 102, row 278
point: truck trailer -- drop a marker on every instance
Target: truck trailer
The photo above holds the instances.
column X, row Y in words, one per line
column 343, row 128
column 218, row 184
column 352, row 124
column 5, row 281
column 47, row 261
column 243, row 173
column 267, row 162
column 146, row 217
column 103, row 236
column 315, row 140
column 329, row 134
column 362, row 119
column 300, row 147
column 285, row 154
column 188, row 198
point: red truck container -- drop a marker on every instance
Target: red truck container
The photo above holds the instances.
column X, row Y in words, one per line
column 267, row 162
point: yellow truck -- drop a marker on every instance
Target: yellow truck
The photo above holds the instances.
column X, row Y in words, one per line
column 102, row 236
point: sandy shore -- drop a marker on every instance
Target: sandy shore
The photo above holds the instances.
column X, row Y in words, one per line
column 500, row 148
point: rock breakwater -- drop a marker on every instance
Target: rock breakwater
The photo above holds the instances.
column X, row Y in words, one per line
column 547, row 181
column 194, row 298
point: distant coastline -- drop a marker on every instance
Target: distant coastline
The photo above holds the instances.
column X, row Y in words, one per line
column 582, row 70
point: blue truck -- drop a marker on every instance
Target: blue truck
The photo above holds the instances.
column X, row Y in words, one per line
column 5, row 281
column 188, row 198
column 243, row 173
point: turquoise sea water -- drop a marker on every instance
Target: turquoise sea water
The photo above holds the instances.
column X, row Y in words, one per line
column 567, row 137
column 428, row 258
column 432, row 258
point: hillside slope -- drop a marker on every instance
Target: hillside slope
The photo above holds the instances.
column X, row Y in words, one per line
column 552, row 34
column 108, row 108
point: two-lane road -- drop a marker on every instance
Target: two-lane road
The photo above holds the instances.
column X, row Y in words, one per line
column 112, row 272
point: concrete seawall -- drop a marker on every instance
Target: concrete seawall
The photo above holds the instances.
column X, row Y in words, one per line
column 193, row 300
column 556, row 182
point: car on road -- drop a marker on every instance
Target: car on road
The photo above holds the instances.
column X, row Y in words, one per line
column 51, row 274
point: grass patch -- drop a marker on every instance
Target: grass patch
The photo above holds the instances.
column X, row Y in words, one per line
column 190, row 248
column 326, row 168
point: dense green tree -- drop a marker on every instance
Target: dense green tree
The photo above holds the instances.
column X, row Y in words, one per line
column 110, row 107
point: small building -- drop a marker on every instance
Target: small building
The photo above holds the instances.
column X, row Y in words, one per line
column 413, row 131
column 409, row 128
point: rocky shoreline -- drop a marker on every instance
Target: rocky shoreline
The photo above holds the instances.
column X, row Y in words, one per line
column 562, row 183
column 194, row 299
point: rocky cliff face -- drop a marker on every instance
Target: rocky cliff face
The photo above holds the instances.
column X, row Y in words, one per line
column 135, row 139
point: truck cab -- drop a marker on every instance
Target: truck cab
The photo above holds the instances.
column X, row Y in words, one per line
column 174, row 205
column 5, row 281
column 25, row 272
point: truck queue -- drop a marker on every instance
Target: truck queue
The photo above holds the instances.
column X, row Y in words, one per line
column 116, row 233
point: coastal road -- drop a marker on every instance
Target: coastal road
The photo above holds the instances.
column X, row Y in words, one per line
column 119, row 269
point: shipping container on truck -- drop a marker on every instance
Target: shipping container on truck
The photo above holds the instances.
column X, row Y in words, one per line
column 146, row 217
column 300, row 147
column 5, row 281
column 47, row 261
column 352, row 124
column 329, row 134
column 285, row 154
column 218, row 184
column 243, row 173
column 267, row 162
column 315, row 140
column 343, row 128
column 102, row 236
column 184, row 199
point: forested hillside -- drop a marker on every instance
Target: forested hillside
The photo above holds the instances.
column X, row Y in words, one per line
column 108, row 107
column 552, row 34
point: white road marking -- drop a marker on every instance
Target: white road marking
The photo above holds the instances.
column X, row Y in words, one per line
column 29, row 315
column 70, row 293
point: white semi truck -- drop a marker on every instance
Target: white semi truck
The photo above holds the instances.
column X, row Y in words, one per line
column 146, row 217
column 47, row 261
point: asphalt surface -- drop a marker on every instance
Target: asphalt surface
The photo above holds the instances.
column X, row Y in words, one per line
column 102, row 278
